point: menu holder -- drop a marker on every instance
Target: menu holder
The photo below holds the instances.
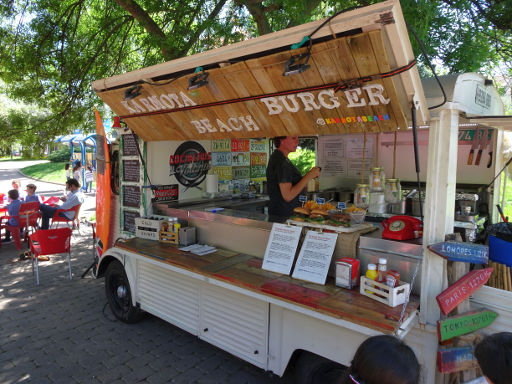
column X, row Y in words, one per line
column 281, row 248
column 315, row 257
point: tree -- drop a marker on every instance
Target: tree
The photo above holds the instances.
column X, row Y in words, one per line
column 52, row 50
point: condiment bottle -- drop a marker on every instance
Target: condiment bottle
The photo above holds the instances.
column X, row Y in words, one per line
column 381, row 270
column 371, row 272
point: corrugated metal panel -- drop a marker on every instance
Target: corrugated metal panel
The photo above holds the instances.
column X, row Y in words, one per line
column 235, row 323
column 170, row 296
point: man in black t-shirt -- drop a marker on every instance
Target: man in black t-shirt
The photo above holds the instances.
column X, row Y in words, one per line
column 284, row 181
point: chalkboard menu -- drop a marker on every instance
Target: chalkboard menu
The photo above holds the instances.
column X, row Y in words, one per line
column 130, row 143
column 131, row 196
column 129, row 220
column 131, row 170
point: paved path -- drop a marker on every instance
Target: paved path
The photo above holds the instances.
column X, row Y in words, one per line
column 62, row 331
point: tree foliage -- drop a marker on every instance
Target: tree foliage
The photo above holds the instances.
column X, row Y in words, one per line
column 52, row 50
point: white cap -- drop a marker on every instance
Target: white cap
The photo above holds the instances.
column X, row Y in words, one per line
column 383, row 260
column 372, row 267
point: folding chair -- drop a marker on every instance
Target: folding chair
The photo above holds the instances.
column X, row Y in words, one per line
column 50, row 242
column 75, row 221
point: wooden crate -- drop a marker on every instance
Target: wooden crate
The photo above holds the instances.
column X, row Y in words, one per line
column 168, row 237
column 383, row 293
column 147, row 228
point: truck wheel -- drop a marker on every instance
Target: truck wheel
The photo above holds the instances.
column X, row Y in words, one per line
column 314, row 369
column 117, row 290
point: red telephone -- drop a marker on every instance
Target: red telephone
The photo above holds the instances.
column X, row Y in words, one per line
column 402, row 228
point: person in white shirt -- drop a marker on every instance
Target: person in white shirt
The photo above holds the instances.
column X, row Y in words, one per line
column 74, row 198
column 88, row 176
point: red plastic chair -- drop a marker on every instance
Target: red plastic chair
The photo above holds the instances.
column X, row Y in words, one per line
column 50, row 242
column 28, row 217
column 52, row 200
column 75, row 222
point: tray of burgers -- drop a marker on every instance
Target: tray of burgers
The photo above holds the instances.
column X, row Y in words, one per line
column 321, row 218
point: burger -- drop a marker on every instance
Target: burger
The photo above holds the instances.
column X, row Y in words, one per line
column 318, row 216
column 300, row 214
column 340, row 220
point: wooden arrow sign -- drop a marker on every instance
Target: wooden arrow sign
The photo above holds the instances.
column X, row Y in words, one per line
column 462, row 289
column 465, row 323
column 465, row 252
column 456, row 359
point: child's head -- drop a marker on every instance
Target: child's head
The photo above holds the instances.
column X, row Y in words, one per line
column 31, row 189
column 383, row 359
column 494, row 355
column 66, row 166
column 89, row 168
column 13, row 194
column 16, row 184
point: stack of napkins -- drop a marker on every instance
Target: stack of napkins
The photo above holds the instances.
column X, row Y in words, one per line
column 199, row 249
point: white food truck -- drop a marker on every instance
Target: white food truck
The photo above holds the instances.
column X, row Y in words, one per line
column 194, row 147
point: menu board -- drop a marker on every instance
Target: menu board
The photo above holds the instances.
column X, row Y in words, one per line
column 131, row 170
column 131, row 196
column 315, row 257
column 166, row 192
column 130, row 143
column 129, row 220
column 281, row 248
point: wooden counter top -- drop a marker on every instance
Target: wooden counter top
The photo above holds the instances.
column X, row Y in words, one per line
column 245, row 271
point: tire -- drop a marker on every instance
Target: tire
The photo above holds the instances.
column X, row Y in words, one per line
column 117, row 290
column 314, row 369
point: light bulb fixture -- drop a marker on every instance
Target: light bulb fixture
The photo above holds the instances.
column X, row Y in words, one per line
column 132, row 92
column 198, row 80
column 297, row 64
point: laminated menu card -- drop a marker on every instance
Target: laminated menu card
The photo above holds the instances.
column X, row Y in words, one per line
column 281, row 248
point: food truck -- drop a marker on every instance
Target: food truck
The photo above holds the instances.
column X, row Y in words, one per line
column 189, row 168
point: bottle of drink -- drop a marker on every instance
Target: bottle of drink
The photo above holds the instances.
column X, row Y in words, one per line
column 371, row 273
column 381, row 270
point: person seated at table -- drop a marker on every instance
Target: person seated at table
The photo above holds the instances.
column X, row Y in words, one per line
column 13, row 209
column 73, row 198
column 383, row 359
column 31, row 194
column 16, row 184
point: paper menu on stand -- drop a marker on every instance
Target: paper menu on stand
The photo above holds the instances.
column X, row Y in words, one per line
column 281, row 248
column 315, row 257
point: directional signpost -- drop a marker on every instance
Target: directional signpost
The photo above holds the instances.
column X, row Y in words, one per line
column 464, row 324
column 462, row 289
column 465, row 252
column 456, row 359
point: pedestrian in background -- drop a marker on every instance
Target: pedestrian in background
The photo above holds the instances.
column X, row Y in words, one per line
column 67, row 167
column 88, row 177
column 494, row 355
column 77, row 171
column 383, row 359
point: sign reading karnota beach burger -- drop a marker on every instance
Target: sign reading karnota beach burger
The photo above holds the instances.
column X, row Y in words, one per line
column 190, row 164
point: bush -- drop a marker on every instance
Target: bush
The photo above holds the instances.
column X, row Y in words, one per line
column 60, row 155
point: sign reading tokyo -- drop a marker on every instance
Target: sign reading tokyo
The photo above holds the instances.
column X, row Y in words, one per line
column 190, row 164
column 367, row 95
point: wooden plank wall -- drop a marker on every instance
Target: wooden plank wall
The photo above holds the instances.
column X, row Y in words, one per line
column 332, row 61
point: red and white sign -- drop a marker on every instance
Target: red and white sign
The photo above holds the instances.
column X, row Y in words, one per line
column 462, row 289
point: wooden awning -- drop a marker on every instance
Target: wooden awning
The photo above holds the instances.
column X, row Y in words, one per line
column 247, row 95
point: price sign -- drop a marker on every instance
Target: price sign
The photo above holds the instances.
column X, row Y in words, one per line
column 129, row 220
column 342, row 205
column 131, row 196
column 303, row 198
column 131, row 170
column 130, row 145
column 320, row 200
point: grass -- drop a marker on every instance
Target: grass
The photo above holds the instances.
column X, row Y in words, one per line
column 507, row 208
column 52, row 172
